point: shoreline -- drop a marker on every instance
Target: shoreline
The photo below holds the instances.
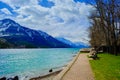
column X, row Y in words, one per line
column 66, row 69
column 57, row 75
column 64, row 58
column 47, row 76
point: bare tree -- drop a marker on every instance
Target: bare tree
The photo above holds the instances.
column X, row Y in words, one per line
column 107, row 22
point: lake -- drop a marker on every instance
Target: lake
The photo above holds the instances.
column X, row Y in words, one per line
column 33, row 62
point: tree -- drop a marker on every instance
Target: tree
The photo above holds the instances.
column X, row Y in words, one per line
column 107, row 22
column 5, row 44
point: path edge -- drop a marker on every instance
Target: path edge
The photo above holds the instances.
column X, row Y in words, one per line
column 67, row 68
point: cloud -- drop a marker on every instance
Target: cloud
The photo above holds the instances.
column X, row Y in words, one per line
column 18, row 3
column 6, row 11
column 66, row 18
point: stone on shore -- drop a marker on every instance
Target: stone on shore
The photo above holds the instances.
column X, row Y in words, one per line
column 3, row 78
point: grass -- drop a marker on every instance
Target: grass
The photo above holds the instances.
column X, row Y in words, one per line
column 107, row 67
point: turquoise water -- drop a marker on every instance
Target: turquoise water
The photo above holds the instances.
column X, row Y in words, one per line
column 33, row 62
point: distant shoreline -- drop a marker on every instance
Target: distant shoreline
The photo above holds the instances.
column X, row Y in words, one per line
column 30, row 48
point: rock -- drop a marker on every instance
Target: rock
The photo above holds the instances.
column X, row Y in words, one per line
column 3, row 78
column 16, row 78
column 50, row 70
column 26, row 76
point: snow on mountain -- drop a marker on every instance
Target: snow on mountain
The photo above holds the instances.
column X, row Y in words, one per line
column 45, row 35
column 20, row 36
column 65, row 41
column 77, row 44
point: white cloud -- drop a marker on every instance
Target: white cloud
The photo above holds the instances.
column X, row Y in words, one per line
column 65, row 19
column 18, row 3
column 6, row 11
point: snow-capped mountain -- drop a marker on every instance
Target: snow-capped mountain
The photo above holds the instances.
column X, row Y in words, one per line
column 77, row 44
column 21, row 36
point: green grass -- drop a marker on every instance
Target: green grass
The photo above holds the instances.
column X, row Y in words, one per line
column 107, row 67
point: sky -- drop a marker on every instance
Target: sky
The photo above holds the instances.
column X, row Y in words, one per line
column 59, row 18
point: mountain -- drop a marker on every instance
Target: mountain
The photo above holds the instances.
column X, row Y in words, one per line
column 21, row 36
column 66, row 41
column 75, row 45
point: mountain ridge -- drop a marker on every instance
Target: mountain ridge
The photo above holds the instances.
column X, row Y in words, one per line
column 20, row 35
column 73, row 44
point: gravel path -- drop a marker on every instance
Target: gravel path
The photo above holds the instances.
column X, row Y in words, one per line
column 80, row 70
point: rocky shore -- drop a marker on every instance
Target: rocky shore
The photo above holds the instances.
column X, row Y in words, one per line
column 49, row 76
